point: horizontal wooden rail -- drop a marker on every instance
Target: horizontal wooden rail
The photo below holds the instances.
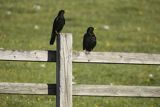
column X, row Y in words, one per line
column 81, row 57
column 81, row 90
column 107, row 90
column 116, row 58
column 27, row 88
column 35, row 55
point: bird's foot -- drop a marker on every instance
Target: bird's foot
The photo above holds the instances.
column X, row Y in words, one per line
column 87, row 52
column 57, row 33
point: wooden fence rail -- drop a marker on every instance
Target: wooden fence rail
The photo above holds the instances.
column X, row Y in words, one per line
column 81, row 90
column 81, row 57
column 64, row 56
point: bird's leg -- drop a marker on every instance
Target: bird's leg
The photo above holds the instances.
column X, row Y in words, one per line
column 57, row 33
column 87, row 52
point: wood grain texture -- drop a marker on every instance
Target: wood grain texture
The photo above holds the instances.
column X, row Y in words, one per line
column 116, row 57
column 81, row 57
column 28, row 88
column 35, row 55
column 64, row 71
column 81, row 90
column 107, row 90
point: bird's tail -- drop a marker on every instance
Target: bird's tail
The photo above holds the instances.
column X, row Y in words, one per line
column 53, row 37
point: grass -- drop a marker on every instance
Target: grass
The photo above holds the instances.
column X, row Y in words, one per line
column 133, row 27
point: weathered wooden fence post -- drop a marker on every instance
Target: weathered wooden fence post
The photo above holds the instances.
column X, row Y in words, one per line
column 64, row 71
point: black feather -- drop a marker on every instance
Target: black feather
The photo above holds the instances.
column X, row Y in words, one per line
column 89, row 40
column 53, row 37
column 58, row 25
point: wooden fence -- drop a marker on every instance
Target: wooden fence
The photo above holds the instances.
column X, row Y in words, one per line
column 63, row 89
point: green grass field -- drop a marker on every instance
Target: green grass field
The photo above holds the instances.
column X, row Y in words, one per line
column 122, row 26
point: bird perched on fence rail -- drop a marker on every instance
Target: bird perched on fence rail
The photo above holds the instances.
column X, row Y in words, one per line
column 58, row 24
column 89, row 40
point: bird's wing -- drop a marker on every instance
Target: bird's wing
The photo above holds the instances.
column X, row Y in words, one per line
column 55, row 23
column 61, row 23
column 54, row 26
column 94, row 40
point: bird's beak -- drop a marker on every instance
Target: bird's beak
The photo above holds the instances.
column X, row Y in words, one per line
column 95, row 28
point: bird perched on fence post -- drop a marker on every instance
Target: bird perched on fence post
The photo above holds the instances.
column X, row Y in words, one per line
column 58, row 24
column 89, row 40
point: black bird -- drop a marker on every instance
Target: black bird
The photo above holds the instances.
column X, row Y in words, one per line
column 58, row 24
column 89, row 40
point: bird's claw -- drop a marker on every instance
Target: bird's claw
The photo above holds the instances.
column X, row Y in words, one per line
column 57, row 33
column 87, row 52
